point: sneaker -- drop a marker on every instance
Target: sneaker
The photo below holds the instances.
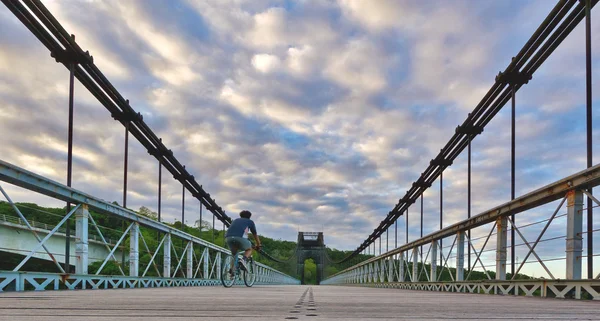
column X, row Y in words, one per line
column 244, row 264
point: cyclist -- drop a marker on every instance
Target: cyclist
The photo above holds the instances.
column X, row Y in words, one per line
column 237, row 238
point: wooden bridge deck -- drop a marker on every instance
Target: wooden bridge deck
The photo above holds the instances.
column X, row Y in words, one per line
column 285, row 303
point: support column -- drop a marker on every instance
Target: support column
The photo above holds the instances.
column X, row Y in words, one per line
column 501, row 224
column 190, row 261
column 460, row 256
column 205, row 268
column 391, row 269
column 401, row 267
column 134, row 250
column 81, row 239
column 433, row 273
column 574, row 240
column 167, row 256
column 415, row 270
column 219, row 261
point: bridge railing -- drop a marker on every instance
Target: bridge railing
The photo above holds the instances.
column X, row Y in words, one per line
column 46, row 227
column 201, row 269
column 410, row 267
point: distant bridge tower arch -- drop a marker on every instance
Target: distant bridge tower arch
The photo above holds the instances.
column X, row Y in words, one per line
column 311, row 246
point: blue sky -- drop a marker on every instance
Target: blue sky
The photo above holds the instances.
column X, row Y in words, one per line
column 311, row 114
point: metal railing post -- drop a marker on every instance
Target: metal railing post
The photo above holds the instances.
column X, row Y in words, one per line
column 167, row 256
column 574, row 242
column 501, row 224
column 401, row 267
column 433, row 274
column 205, row 267
column 134, row 250
column 415, row 269
column 81, row 239
column 190, row 260
column 460, row 256
column 391, row 269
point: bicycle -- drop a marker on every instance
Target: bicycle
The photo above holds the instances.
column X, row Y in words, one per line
column 248, row 274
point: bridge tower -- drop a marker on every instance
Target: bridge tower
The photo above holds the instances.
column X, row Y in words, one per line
column 311, row 246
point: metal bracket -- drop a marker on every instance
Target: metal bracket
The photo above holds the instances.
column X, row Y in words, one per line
column 421, row 183
column 407, row 200
column 69, row 57
column 127, row 116
column 440, row 161
column 515, row 77
column 469, row 130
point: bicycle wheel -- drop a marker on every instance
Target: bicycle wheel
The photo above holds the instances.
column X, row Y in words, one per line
column 226, row 278
column 250, row 274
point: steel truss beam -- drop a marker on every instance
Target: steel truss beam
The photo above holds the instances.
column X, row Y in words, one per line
column 25, row 179
column 106, row 244
column 38, row 19
column 582, row 180
column 19, row 281
column 559, row 289
column 31, row 229
column 552, row 31
column 532, row 248
column 28, row 180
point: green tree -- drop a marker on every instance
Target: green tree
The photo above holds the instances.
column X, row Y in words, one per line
column 310, row 272
column 148, row 213
column 205, row 225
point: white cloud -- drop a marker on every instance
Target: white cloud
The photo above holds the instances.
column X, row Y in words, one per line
column 380, row 14
column 358, row 66
column 269, row 28
column 301, row 60
column 265, row 63
column 296, row 111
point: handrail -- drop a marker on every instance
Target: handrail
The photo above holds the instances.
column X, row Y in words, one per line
column 584, row 179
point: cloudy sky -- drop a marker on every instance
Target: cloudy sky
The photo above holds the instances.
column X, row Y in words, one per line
column 315, row 115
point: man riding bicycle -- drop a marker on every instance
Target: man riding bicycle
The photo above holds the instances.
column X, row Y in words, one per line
column 237, row 239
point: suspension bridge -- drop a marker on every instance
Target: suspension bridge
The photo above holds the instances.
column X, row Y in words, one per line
column 466, row 270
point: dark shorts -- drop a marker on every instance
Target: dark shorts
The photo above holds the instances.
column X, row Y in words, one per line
column 240, row 243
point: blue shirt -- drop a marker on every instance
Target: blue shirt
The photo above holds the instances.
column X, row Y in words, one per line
column 239, row 227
